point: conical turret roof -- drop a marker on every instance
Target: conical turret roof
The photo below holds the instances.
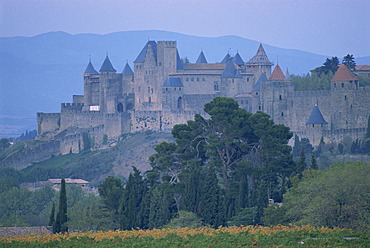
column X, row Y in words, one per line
column 201, row 59
column 107, row 66
column 316, row 117
column 90, row 69
column 173, row 82
column 260, row 57
column 141, row 57
column 238, row 60
column 287, row 76
column 127, row 69
column 225, row 59
column 344, row 74
column 262, row 78
column 179, row 65
column 277, row 74
column 230, row 71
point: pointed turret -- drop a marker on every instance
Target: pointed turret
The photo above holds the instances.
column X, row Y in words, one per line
column 225, row 59
column 201, row 59
column 262, row 78
column 90, row 70
column 141, row 57
column 230, row 71
column 260, row 57
column 344, row 74
column 316, row 117
column 107, row 66
column 179, row 65
column 173, row 82
column 287, row 76
column 277, row 74
column 238, row 60
column 127, row 69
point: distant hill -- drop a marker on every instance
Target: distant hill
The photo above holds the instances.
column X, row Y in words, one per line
column 38, row 73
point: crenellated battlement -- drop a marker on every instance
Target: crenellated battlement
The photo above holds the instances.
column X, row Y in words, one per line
column 137, row 100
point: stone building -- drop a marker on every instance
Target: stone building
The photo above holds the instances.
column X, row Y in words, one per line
column 161, row 91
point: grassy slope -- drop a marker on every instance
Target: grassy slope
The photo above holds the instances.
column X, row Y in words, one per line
column 94, row 166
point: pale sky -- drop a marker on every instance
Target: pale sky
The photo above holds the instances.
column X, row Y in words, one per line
column 326, row 27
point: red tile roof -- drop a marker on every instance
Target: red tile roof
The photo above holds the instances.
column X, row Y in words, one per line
column 344, row 74
column 277, row 74
column 362, row 67
column 68, row 180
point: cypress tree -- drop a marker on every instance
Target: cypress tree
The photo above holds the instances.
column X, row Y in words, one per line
column 313, row 162
column 132, row 210
column 52, row 216
column 212, row 206
column 368, row 128
column 301, row 164
column 190, row 199
column 60, row 224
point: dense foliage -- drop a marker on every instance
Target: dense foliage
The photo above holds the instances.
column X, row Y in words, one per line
column 338, row 197
column 221, row 166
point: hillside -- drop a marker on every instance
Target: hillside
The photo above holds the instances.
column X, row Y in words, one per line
column 94, row 166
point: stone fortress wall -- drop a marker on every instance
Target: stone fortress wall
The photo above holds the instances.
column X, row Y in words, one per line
column 161, row 91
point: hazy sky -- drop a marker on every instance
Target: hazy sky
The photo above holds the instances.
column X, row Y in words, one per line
column 327, row 27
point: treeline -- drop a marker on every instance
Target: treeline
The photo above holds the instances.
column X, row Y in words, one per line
column 319, row 78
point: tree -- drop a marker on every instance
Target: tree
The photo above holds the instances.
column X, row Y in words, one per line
column 338, row 197
column 111, row 191
column 185, row 60
column 301, row 164
column 60, row 224
column 274, row 215
column 314, row 165
column 185, row 219
column 349, row 61
column 52, row 216
column 248, row 152
column 90, row 214
column 211, row 206
column 132, row 203
column 4, row 143
column 330, row 65
column 368, row 128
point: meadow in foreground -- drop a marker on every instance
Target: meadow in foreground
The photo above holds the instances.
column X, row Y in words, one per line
column 248, row 236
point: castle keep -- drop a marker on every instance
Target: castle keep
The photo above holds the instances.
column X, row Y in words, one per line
column 161, row 91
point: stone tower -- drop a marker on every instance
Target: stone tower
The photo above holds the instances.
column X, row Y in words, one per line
column 315, row 126
column 274, row 95
column 91, row 87
column 259, row 63
column 108, row 87
column 231, row 80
